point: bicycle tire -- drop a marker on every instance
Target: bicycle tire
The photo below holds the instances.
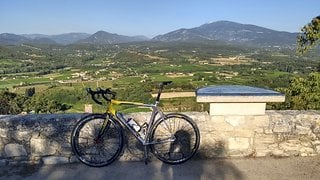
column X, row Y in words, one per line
column 92, row 151
column 186, row 138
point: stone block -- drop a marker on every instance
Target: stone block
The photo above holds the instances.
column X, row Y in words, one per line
column 222, row 127
column 306, row 144
column 43, row 147
column 261, row 121
column 235, row 121
column 306, row 117
column 318, row 149
column 3, row 162
column 287, row 146
column 217, row 119
column 262, row 152
column 22, row 135
column 301, row 130
column 264, row 139
column 15, row 150
column 236, row 143
column 315, row 143
column 207, row 139
column 267, row 130
column 242, row 133
column 279, row 153
column 307, row 150
column 55, row 160
column 282, row 129
column 66, row 149
column 207, row 127
column 259, row 130
column 3, row 133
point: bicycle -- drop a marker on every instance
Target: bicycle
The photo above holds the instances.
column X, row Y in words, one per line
column 97, row 139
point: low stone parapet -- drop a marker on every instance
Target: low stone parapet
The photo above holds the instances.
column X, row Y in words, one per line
column 46, row 138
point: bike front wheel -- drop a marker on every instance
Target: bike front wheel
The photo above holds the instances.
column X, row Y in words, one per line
column 175, row 139
column 94, row 147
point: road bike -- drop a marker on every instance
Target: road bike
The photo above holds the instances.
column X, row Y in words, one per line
column 98, row 139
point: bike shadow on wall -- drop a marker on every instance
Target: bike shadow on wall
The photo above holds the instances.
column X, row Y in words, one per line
column 200, row 167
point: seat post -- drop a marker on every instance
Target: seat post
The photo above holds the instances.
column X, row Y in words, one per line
column 164, row 83
column 159, row 92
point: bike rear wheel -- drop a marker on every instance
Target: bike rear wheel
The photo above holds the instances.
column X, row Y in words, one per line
column 175, row 139
column 93, row 149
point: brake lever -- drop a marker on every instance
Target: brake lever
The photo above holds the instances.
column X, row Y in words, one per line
column 93, row 95
column 108, row 92
column 95, row 100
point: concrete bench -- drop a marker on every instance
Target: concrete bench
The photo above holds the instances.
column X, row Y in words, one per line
column 237, row 100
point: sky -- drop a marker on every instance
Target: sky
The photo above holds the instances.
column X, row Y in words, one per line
column 149, row 17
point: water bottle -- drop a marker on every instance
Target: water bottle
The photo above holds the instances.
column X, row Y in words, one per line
column 142, row 133
column 132, row 123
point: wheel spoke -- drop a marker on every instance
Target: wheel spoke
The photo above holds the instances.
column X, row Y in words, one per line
column 93, row 150
column 186, row 141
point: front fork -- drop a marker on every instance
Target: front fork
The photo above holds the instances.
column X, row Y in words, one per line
column 102, row 130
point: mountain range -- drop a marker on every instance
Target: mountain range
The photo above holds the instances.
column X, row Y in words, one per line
column 64, row 39
column 224, row 31
column 232, row 32
column 102, row 37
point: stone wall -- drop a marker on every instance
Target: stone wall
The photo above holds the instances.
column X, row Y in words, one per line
column 278, row 133
column 46, row 138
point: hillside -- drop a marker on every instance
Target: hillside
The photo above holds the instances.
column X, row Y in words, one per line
column 232, row 32
column 67, row 38
column 102, row 37
column 12, row 39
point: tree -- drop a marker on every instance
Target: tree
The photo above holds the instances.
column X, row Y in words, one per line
column 10, row 103
column 5, row 98
column 303, row 93
column 53, row 106
column 42, row 103
column 310, row 37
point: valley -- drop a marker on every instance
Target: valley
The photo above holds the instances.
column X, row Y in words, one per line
column 134, row 68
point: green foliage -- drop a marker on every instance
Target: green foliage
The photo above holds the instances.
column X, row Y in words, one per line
column 10, row 103
column 310, row 36
column 40, row 103
column 51, row 101
column 65, row 95
column 303, row 93
column 140, row 92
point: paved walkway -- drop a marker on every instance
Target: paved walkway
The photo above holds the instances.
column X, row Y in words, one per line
column 238, row 169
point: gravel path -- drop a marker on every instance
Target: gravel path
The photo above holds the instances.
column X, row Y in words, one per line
column 239, row 169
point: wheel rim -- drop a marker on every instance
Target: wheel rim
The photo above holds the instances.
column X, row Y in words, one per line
column 97, row 151
column 186, row 142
